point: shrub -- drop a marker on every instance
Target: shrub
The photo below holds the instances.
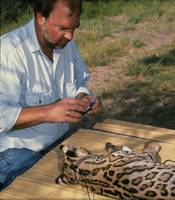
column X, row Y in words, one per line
column 11, row 10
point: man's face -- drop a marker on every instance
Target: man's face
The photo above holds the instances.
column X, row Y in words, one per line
column 58, row 29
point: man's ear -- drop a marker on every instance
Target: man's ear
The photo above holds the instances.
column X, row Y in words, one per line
column 40, row 18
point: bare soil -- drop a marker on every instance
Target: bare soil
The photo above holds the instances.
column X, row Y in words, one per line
column 129, row 106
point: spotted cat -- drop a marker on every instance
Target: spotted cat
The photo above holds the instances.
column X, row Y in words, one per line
column 120, row 174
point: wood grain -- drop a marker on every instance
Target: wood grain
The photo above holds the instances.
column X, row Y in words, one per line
column 38, row 183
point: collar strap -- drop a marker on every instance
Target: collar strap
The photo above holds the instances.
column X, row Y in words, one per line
column 77, row 167
column 80, row 161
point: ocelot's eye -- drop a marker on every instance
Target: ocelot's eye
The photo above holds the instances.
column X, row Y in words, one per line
column 65, row 165
column 74, row 167
column 72, row 180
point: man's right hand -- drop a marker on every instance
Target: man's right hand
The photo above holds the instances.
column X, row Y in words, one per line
column 66, row 110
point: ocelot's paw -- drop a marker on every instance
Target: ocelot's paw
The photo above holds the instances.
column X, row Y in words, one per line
column 126, row 149
column 169, row 162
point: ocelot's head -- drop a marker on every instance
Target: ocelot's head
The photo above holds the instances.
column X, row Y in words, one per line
column 72, row 159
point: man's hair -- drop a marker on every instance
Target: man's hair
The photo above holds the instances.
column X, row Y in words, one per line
column 45, row 7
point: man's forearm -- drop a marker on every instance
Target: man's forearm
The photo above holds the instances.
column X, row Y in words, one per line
column 65, row 110
column 31, row 116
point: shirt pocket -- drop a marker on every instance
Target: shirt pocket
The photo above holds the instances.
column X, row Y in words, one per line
column 70, row 90
column 36, row 99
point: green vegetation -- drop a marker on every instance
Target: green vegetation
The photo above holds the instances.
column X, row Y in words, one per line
column 136, row 38
column 14, row 13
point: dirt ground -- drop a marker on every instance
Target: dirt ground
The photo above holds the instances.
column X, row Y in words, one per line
column 103, row 78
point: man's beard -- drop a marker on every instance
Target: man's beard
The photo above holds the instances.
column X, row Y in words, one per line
column 59, row 45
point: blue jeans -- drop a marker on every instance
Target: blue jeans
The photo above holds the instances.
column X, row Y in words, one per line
column 14, row 162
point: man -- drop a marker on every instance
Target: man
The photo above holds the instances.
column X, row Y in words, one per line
column 42, row 86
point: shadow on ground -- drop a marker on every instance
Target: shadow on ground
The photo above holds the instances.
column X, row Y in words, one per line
column 166, row 59
column 157, row 110
column 140, row 101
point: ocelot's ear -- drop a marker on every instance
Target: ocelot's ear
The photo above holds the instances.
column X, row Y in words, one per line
column 111, row 148
column 71, row 151
column 64, row 148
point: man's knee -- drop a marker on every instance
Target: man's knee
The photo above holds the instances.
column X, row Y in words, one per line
column 15, row 162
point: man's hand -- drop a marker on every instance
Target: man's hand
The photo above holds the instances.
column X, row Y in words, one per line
column 94, row 104
column 66, row 110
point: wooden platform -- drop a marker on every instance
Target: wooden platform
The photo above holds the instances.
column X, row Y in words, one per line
column 38, row 183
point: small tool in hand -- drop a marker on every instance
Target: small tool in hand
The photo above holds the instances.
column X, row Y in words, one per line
column 91, row 105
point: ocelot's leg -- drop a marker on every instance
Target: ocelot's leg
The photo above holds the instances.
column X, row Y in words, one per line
column 169, row 162
column 151, row 149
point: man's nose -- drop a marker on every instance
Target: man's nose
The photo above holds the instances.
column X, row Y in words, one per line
column 69, row 35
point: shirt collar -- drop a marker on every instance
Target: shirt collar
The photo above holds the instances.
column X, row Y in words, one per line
column 33, row 40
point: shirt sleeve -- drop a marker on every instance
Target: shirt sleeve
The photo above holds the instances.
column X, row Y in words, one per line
column 10, row 91
column 81, row 72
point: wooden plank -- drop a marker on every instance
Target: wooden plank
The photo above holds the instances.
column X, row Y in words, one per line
column 95, row 141
column 38, row 182
column 137, row 130
column 33, row 191
column 7, row 196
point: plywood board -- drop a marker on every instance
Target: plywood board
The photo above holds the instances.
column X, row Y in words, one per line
column 95, row 141
column 137, row 130
column 38, row 182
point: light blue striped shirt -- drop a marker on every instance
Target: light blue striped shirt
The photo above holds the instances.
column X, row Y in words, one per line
column 29, row 78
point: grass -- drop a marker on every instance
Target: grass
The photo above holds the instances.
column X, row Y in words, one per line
column 96, row 25
column 14, row 24
column 122, row 30
column 152, row 91
column 154, row 64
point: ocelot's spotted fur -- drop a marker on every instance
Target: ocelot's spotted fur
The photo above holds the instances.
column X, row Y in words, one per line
column 121, row 174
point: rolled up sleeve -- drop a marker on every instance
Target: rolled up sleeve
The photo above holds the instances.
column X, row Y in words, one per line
column 10, row 91
column 8, row 116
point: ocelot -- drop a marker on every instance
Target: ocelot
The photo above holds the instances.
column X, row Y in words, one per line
column 120, row 174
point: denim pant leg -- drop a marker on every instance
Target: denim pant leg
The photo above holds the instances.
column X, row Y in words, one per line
column 14, row 162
